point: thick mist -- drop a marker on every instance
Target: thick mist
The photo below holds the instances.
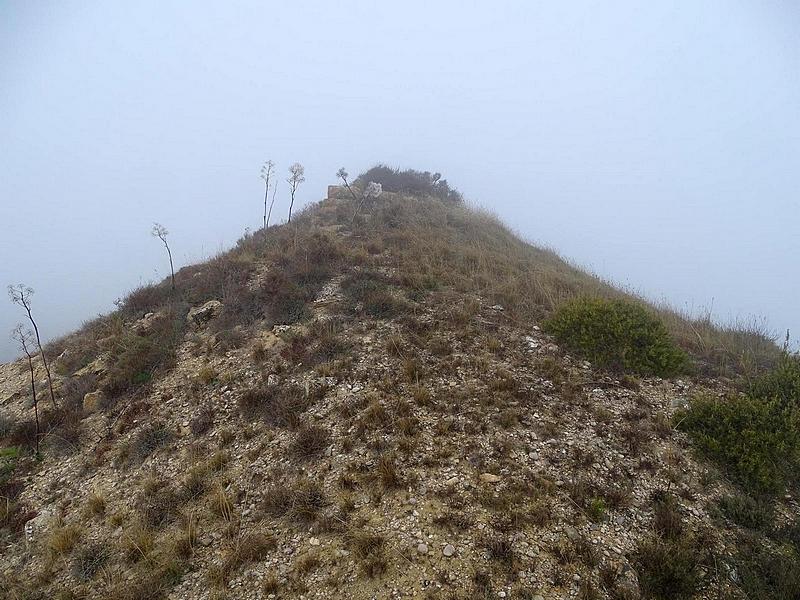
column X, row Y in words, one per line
column 655, row 143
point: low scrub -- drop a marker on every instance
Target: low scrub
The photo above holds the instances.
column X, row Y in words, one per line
column 755, row 441
column 300, row 500
column 135, row 356
column 410, row 181
column 276, row 405
column 781, row 383
column 668, row 569
column 374, row 292
column 767, row 571
column 671, row 560
column 618, row 335
column 752, row 513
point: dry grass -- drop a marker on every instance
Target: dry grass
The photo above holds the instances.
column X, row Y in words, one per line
column 222, row 504
column 279, row 406
column 137, row 543
column 88, row 560
column 499, row 549
column 369, row 549
column 63, row 539
column 388, row 473
column 300, row 500
column 95, row 504
column 247, row 548
column 310, row 441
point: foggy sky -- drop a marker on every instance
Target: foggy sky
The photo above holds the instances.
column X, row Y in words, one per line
column 656, row 143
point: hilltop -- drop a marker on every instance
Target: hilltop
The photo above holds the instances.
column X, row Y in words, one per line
column 397, row 397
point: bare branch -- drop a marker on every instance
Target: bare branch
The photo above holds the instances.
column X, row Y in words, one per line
column 296, row 177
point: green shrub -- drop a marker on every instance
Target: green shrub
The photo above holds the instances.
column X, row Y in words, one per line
column 757, row 442
column 781, row 382
column 617, row 335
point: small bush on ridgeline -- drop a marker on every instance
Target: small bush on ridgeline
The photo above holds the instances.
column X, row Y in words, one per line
column 410, row 181
column 755, row 441
column 617, row 335
column 145, row 299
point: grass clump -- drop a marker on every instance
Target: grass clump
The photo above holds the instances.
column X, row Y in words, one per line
column 89, row 560
column 669, row 563
column 668, row 569
column 300, row 500
column 618, row 335
column 63, row 539
column 276, row 405
column 370, row 550
column 148, row 440
column 310, row 442
column 248, row 548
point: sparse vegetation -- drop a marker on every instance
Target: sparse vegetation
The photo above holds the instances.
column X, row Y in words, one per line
column 279, row 406
column 437, row 377
column 149, row 439
column 135, row 355
column 669, row 563
column 88, row 560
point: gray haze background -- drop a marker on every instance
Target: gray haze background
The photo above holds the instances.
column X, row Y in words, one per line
column 656, row 143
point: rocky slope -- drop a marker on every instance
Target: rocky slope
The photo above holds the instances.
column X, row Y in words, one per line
column 429, row 442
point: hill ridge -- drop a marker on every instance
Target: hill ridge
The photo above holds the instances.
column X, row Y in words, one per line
column 360, row 404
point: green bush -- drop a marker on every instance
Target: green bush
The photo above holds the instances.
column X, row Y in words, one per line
column 617, row 335
column 781, row 382
column 756, row 441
